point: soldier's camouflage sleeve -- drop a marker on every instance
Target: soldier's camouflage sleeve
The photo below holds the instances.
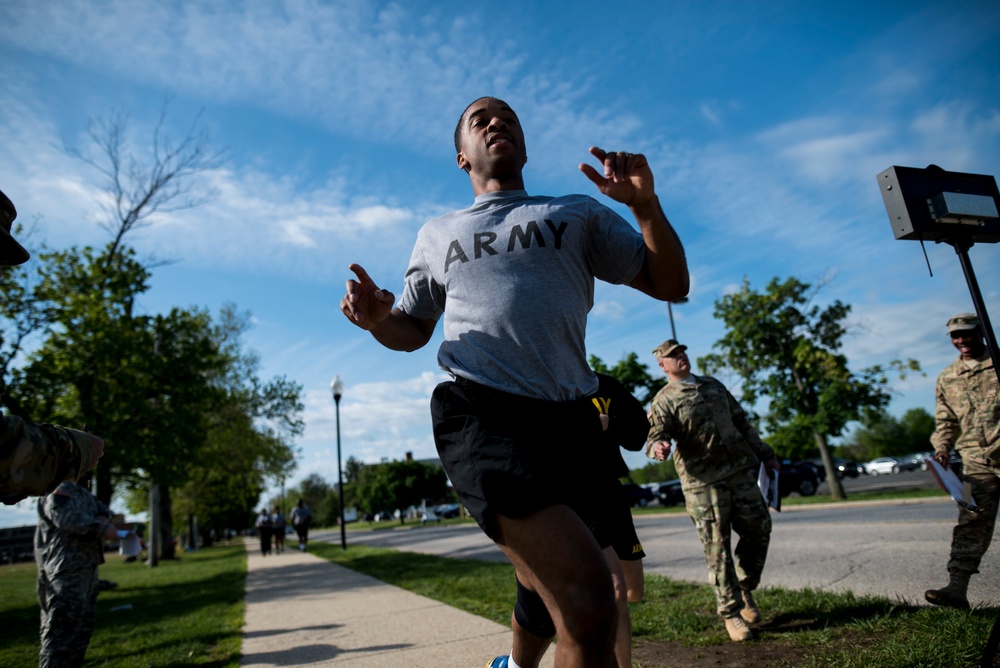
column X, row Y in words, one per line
column 661, row 421
column 947, row 427
column 742, row 422
column 35, row 458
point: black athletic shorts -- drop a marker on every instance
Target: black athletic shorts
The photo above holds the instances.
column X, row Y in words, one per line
column 511, row 455
column 618, row 526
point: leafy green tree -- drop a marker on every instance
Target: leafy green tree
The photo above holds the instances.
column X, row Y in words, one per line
column 794, row 439
column 886, row 436
column 398, row 485
column 132, row 379
column 655, row 472
column 23, row 313
column 353, row 468
column 785, row 350
column 328, row 512
column 918, row 425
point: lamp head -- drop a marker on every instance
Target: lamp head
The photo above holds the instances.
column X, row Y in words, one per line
column 337, row 388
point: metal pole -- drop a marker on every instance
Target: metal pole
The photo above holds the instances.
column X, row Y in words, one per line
column 340, row 479
column 962, row 248
column 673, row 332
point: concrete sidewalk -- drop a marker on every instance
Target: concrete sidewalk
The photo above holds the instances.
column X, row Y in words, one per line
column 306, row 611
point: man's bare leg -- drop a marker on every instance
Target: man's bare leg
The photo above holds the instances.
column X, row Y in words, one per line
column 623, row 633
column 556, row 555
column 635, row 580
column 528, row 648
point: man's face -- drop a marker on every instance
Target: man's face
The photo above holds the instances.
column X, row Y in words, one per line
column 968, row 342
column 676, row 364
column 492, row 140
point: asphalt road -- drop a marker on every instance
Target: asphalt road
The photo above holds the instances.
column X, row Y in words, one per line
column 891, row 549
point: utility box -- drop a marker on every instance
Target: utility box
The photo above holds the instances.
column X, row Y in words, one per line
column 934, row 205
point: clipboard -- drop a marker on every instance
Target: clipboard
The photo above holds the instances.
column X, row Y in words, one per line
column 950, row 483
column 767, row 481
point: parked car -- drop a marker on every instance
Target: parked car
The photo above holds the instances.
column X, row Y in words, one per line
column 848, row 468
column 816, row 465
column 670, row 493
column 882, row 466
column 845, row 467
column 638, row 495
column 914, row 461
column 797, row 477
column 448, row 510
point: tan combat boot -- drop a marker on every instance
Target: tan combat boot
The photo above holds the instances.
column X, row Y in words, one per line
column 738, row 629
column 750, row 612
column 954, row 594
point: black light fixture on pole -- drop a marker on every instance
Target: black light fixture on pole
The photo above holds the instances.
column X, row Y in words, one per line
column 670, row 310
column 337, row 388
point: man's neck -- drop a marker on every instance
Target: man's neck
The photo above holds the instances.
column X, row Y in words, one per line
column 482, row 185
column 676, row 377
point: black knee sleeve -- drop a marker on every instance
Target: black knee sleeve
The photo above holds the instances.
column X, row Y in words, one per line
column 531, row 614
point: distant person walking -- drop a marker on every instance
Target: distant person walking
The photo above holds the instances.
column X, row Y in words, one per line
column 265, row 530
column 69, row 546
column 278, row 524
column 717, row 453
column 968, row 421
column 301, row 519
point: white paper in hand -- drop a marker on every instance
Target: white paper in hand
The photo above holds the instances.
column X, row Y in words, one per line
column 767, row 481
column 128, row 545
column 950, row 483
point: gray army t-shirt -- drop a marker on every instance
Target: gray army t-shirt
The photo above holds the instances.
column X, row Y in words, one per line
column 518, row 276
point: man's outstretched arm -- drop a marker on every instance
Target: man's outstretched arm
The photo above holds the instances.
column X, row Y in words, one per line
column 35, row 458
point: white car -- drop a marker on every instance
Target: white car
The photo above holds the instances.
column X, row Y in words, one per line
column 882, row 466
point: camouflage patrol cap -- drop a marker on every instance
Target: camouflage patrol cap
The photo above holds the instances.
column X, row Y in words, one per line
column 11, row 252
column 667, row 347
column 963, row 321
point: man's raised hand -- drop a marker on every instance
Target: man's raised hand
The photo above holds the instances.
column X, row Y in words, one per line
column 365, row 304
column 626, row 178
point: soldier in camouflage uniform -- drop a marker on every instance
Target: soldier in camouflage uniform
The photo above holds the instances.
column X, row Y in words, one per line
column 717, row 455
column 968, row 421
column 69, row 546
column 35, row 458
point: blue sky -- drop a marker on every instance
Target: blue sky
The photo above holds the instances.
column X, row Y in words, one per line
column 765, row 125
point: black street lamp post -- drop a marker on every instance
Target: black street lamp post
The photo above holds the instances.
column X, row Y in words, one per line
column 670, row 310
column 337, row 388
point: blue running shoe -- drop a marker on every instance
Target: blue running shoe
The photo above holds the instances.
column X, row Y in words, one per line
column 498, row 662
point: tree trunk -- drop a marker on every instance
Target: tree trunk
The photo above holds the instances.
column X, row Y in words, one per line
column 153, row 544
column 168, row 550
column 832, row 479
column 102, row 483
column 192, row 532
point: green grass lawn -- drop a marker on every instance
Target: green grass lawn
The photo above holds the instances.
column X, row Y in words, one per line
column 830, row 630
column 184, row 612
column 189, row 612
